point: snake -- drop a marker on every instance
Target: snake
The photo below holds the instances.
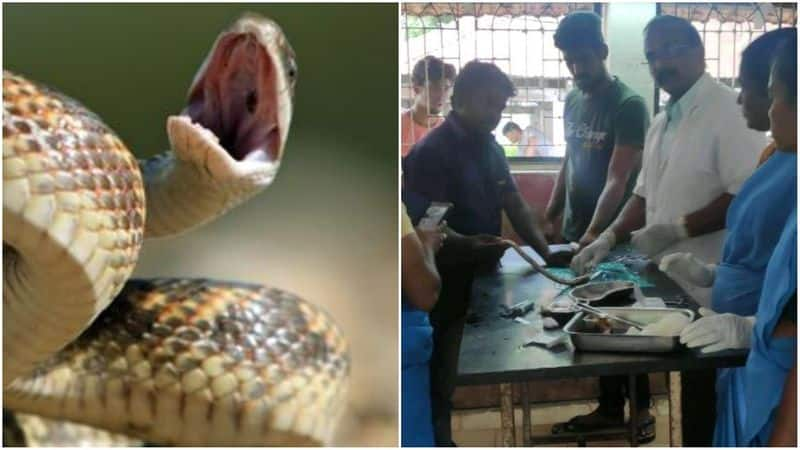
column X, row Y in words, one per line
column 173, row 361
column 549, row 275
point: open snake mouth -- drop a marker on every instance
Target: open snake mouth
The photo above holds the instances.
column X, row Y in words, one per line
column 235, row 96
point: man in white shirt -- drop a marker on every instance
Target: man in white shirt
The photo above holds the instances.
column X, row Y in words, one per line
column 697, row 154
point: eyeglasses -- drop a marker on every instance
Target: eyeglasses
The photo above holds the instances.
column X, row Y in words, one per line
column 669, row 52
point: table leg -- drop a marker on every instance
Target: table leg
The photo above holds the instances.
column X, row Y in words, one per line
column 675, row 414
column 527, row 432
column 633, row 409
column 507, row 415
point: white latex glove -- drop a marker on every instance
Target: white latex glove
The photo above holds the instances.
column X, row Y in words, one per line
column 685, row 267
column 715, row 332
column 652, row 239
column 592, row 254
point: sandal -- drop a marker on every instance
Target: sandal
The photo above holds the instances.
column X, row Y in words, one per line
column 646, row 429
column 589, row 422
column 596, row 421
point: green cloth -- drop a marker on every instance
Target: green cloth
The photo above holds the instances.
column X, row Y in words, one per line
column 592, row 127
column 609, row 271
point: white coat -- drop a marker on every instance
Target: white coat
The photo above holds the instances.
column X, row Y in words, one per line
column 711, row 152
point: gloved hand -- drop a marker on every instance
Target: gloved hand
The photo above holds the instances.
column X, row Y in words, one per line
column 652, row 239
column 685, row 267
column 592, row 254
column 715, row 332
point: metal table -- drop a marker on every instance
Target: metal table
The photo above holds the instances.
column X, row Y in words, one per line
column 492, row 350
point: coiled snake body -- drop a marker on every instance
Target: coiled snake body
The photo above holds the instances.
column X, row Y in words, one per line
column 172, row 361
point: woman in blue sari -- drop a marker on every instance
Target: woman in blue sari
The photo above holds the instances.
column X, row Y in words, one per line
column 769, row 400
column 420, row 290
column 748, row 399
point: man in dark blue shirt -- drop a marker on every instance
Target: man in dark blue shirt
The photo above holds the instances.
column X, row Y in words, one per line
column 460, row 162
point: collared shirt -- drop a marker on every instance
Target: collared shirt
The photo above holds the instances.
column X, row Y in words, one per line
column 461, row 166
column 710, row 152
column 675, row 110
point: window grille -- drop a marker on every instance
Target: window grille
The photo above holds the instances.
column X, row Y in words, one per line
column 726, row 29
column 518, row 38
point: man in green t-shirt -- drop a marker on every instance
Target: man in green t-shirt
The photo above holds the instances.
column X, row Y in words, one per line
column 604, row 125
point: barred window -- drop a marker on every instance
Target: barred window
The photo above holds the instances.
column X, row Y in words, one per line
column 726, row 30
column 518, row 38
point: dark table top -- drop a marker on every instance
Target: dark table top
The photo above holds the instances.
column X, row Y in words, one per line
column 492, row 349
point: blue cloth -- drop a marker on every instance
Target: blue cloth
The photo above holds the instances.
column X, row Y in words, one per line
column 753, row 393
column 770, row 358
column 416, row 347
column 467, row 168
column 755, row 219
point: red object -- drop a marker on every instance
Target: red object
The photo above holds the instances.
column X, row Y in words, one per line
column 535, row 188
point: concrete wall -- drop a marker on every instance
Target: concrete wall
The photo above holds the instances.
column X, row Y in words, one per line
column 624, row 25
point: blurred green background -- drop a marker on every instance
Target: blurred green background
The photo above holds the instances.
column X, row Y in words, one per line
column 327, row 228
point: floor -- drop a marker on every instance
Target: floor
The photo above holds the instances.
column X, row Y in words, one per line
column 481, row 428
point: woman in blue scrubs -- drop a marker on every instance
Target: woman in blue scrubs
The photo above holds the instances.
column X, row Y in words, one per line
column 753, row 406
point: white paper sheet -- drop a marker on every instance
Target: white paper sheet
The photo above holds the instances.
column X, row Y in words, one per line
column 512, row 258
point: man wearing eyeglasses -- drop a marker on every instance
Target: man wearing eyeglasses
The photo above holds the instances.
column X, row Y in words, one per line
column 697, row 154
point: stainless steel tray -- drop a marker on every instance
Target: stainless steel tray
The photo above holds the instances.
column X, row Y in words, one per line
column 597, row 342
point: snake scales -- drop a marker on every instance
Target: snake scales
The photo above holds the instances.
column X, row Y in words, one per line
column 172, row 361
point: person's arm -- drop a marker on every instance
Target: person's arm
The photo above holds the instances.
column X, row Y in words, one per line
column 524, row 222
column 457, row 248
column 476, row 249
column 420, row 279
column 624, row 161
column 630, row 219
column 710, row 218
column 655, row 238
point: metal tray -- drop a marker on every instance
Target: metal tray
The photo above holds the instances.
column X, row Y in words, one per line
column 597, row 342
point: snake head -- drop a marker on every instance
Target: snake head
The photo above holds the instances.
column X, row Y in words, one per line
column 240, row 102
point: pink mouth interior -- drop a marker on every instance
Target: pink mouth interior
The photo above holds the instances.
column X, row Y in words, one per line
column 236, row 99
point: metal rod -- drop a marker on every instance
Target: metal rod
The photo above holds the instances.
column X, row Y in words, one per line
column 601, row 313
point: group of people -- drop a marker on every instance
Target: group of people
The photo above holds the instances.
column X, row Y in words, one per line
column 699, row 189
